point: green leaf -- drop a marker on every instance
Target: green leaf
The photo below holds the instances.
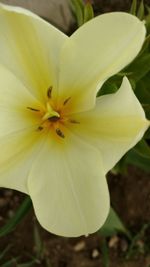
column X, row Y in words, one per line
column 80, row 2
column 142, row 90
column 120, row 167
column 105, row 254
column 139, row 67
column 38, row 243
column 145, row 45
column 113, row 225
column 108, row 88
column 143, row 149
column 17, row 218
column 10, row 263
column 140, row 12
column 147, row 19
column 88, row 12
column 137, row 237
column 142, row 93
column 147, row 8
column 78, row 10
column 147, row 134
column 133, row 7
column 27, row 264
column 134, row 158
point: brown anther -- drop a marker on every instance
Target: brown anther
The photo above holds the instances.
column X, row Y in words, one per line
column 60, row 133
column 74, row 121
column 49, row 92
column 40, row 128
column 66, row 101
column 33, row 109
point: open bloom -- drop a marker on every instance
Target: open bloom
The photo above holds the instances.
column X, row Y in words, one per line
column 57, row 141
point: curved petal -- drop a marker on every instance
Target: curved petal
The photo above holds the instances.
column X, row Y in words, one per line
column 97, row 50
column 114, row 126
column 69, row 190
column 14, row 102
column 30, row 48
column 19, row 138
column 17, row 154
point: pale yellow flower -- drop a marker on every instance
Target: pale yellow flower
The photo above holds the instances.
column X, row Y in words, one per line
column 57, row 142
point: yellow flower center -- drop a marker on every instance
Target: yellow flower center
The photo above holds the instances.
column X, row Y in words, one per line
column 53, row 119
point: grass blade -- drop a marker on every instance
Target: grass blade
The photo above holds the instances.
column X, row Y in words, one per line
column 17, row 218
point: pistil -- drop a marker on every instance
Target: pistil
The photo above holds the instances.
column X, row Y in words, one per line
column 50, row 113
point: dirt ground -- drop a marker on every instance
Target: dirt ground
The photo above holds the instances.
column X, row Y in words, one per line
column 130, row 197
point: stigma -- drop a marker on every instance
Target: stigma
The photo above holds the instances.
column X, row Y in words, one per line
column 50, row 113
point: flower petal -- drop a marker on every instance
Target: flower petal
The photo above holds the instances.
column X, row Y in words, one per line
column 69, row 190
column 30, row 48
column 97, row 50
column 114, row 126
column 15, row 100
column 19, row 138
column 17, row 153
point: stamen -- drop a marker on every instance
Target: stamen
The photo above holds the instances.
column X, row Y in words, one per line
column 60, row 133
column 33, row 109
column 66, row 101
column 74, row 121
column 49, row 92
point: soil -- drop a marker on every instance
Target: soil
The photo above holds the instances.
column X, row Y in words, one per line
column 130, row 197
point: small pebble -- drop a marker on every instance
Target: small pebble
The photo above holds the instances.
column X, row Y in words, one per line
column 79, row 246
column 113, row 242
column 95, row 253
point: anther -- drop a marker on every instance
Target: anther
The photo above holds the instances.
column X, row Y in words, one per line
column 74, row 121
column 60, row 133
column 66, row 101
column 33, row 109
column 49, row 92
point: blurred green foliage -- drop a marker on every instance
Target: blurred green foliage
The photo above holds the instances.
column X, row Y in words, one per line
column 113, row 225
column 82, row 10
column 17, row 218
